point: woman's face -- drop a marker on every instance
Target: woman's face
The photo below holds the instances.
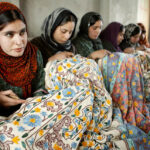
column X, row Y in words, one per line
column 94, row 30
column 120, row 37
column 134, row 39
column 13, row 38
column 63, row 32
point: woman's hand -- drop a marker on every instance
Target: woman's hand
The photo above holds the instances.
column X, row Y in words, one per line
column 99, row 54
column 141, row 48
column 9, row 98
column 61, row 56
column 129, row 50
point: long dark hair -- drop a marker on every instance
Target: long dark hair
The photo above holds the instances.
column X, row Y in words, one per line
column 122, row 28
column 63, row 18
column 10, row 16
column 88, row 20
column 94, row 19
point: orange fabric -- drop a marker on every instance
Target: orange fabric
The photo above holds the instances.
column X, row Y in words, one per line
column 19, row 71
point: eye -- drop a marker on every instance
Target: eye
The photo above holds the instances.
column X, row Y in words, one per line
column 63, row 31
column 70, row 32
column 22, row 32
column 9, row 34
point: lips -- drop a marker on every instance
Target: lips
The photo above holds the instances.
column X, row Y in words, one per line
column 19, row 49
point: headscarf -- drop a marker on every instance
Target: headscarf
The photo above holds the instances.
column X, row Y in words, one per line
column 84, row 26
column 128, row 33
column 110, row 34
column 18, row 71
column 143, row 41
column 51, row 23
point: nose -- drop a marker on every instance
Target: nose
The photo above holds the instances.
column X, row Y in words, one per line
column 18, row 39
column 98, row 31
column 67, row 36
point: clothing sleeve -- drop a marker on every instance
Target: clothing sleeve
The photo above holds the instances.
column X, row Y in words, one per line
column 38, row 83
column 83, row 48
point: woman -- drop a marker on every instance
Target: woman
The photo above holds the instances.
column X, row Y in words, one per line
column 143, row 40
column 131, row 39
column 21, row 71
column 112, row 36
column 119, row 70
column 130, row 45
column 90, row 44
column 55, row 29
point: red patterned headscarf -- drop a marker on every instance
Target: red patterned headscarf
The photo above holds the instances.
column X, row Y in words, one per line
column 18, row 71
column 143, row 41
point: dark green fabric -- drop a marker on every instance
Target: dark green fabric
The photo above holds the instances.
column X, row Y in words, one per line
column 38, row 83
column 85, row 46
column 108, row 46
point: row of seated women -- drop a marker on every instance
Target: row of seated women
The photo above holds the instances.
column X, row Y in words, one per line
column 74, row 102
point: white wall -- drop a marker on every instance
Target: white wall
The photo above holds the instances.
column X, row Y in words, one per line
column 143, row 13
column 36, row 10
column 123, row 11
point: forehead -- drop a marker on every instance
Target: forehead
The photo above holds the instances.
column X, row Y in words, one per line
column 98, row 23
column 68, row 24
column 14, row 26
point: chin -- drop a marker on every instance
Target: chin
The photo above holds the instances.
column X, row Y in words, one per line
column 18, row 54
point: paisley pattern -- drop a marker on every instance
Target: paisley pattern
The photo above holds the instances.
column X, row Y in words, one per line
column 76, row 114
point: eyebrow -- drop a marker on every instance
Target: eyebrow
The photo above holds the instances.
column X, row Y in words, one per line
column 22, row 30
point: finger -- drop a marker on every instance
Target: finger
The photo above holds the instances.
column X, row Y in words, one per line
column 15, row 102
column 69, row 56
column 69, row 53
column 108, row 52
column 10, row 93
column 13, row 96
column 7, row 92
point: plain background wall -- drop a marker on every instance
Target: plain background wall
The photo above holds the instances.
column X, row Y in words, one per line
column 123, row 11
column 36, row 10
column 126, row 11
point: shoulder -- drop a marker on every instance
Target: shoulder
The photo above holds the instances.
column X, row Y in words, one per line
column 37, row 41
column 81, row 41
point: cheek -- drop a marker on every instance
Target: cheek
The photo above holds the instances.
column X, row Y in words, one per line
column 132, row 40
column 4, row 45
